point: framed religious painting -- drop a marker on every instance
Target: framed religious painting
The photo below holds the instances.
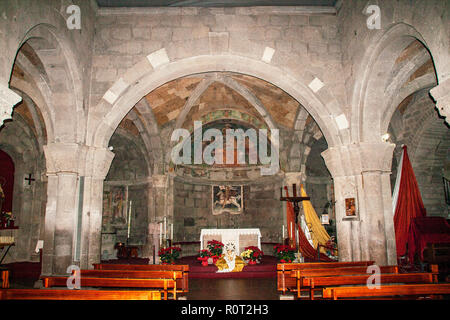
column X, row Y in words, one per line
column 350, row 207
column 227, row 199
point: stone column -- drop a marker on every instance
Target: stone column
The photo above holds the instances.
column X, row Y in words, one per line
column 441, row 95
column 162, row 195
column 60, row 220
column 98, row 162
column 8, row 99
column 361, row 171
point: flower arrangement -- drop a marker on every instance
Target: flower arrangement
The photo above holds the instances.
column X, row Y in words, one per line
column 6, row 219
column 204, row 256
column 252, row 254
column 284, row 253
column 215, row 247
column 169, row 255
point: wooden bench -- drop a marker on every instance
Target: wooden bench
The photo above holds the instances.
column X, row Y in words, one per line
column 420, row 290
column 135, row 274
column 5, row 277
column 52, row 294
column 164, row 284
column 299, row 274
column 182, row 284
column 285, row 282
column 314, row 282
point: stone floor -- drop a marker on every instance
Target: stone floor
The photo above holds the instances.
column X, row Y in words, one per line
column 233, row 289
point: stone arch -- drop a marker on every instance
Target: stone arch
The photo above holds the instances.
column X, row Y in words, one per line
column 58, row 86
column 129, row 89
column 368, row 120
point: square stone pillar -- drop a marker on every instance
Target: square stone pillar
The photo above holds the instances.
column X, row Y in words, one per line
column 361, row 172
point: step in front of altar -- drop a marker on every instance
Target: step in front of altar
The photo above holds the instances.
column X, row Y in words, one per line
column 266, row 269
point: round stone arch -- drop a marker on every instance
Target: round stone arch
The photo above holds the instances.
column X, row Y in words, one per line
column 51, row 33
column 368, row 122
column 136, row 83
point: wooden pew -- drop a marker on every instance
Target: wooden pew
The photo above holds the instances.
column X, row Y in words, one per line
column 134, row 274
column 361, row 292
column 182, row 284
column 313, row 282
column 5, row 278
column 285, row 282
column 52, row 294
column 299, row 274
column 164, row 284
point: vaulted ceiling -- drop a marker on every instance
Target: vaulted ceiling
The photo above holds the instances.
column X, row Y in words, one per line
column 221, row 95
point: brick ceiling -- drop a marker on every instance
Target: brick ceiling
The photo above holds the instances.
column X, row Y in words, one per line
column 169, row 100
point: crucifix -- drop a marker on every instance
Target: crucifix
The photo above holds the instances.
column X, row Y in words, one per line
column 29, row 179
column 294, row 199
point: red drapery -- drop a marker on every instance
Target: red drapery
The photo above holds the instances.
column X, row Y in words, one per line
column 409, row 206
column 304, row 246
column 7, row 179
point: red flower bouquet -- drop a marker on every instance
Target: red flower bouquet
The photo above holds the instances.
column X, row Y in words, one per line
column 169, row 255
column 285, row 254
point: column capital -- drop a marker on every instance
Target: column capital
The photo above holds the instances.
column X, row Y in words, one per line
column 441, row 95
column 293, row 177
column 355, row 159
column 80, row 159
column 8, row 99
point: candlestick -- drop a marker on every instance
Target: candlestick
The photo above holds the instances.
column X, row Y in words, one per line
column 171, row 231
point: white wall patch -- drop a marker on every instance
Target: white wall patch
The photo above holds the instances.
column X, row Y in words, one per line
column 158, row 58
column 341, row 122
column 268, row 54
column 316, row 85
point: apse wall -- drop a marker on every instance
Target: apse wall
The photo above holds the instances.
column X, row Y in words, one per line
column 262, row 209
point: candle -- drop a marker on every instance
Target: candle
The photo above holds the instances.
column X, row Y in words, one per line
column 129, row 220
column 171, row 231
column 165, row 228
column 282, row 231
column 292, row 231
column 160, row 234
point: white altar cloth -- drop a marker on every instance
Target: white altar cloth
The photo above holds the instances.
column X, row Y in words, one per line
column 231, row 235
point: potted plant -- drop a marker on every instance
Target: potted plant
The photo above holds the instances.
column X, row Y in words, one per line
column 169, row 255
column 215, row 248
column 204, row 256
column 284, row 253
column 252, row 254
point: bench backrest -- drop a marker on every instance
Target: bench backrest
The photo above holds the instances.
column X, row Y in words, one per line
column 183, row 283
column 51, row 294
column 340, row 271
column 320, row 265
column 112, row 282
column 131, row 274
column 287, row 280
column 362, row 279
column 387, row 290
column 143, row 267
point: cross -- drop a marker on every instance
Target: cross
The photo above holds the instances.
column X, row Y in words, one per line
column 295, row 200
column 29, row 179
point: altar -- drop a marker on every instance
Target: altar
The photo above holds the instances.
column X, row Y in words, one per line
column 241, row 238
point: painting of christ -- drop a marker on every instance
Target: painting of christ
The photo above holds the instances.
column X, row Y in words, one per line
column 227, row 199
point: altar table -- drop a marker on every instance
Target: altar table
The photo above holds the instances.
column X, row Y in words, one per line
column 241, row 238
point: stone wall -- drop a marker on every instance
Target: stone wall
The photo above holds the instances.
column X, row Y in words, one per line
column 426, row 136
column 193, row 212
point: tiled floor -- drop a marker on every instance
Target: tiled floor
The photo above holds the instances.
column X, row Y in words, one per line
column 233, row 289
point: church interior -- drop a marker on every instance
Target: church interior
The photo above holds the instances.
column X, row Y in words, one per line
column 173, row 149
